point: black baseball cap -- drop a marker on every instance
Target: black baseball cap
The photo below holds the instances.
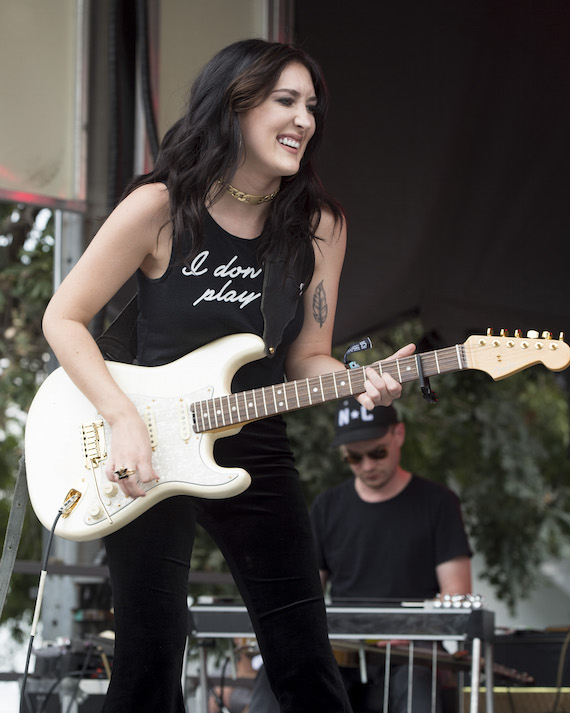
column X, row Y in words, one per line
column 355, row 423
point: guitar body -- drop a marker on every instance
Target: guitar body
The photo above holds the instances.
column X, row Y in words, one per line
column 67, row 441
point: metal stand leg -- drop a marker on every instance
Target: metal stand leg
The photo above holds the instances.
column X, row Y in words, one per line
column 410, row 676
column 362, row 664
column 461, row 692
column 475, row 675
column 387, row 676
column 203, row 675
column 433, row 677
column 489, row 698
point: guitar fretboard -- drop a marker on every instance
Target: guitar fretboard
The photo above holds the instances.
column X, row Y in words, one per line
column 236, row 409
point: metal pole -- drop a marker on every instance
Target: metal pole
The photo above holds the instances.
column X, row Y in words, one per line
column 475, row 675
column 489, row 697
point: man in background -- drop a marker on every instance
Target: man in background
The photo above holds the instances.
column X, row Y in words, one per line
column 387, row 534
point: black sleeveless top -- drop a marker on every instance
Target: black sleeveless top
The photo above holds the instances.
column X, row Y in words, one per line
column 217, row 294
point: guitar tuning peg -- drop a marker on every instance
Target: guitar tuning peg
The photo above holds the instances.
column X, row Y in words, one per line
column 518, row 333
column 489, row 331
column 547, row 335
column 532, row 334
column 561, row 336
column 504, row 332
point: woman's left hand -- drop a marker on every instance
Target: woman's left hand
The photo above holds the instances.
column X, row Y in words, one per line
column 382, row 390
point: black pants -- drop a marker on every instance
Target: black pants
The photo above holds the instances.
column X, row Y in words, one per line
column 265, row 536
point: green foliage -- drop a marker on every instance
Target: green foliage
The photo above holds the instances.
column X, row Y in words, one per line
column 26, row 276
column 502, row 446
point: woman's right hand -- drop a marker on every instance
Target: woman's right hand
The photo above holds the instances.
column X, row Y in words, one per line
column 131, row 451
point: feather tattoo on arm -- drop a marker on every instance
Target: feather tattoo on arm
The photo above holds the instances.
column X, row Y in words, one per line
column 320, row 307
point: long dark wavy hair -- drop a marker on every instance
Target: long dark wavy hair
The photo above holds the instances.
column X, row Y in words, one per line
column 204, row 147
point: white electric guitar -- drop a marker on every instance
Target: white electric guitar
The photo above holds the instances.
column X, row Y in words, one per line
column 188, row 404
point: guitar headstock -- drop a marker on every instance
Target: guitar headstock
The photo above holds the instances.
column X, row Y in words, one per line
column 503, row 355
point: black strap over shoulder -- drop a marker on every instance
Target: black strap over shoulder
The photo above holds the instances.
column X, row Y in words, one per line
column 119, row 341
column 280, row 297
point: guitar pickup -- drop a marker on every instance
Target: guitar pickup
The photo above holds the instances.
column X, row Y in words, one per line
column 150, row 421
column 184, row 425
column 94, row 443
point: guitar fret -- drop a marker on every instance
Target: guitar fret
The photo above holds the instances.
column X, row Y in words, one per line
column 254, row 401
column 240, row 397
column 205, row 414
column 231, row 408
column 265, row 409
column 314, row 389
column 437, row 362
column 351, row 391
column 246, row 405
column 335, row 386
column 217, row 413
column 290, row 396
column 211, row 420
column 280, row 405
column 328, row 387
column 344, row 383
column 197, row 417
column 304, row 398
column 357, row 380
column 308, row 385
column 222, row 414
column 297, row 395
column 222, row 411
column 227, row 410
column 401, row 369
column 270, row 406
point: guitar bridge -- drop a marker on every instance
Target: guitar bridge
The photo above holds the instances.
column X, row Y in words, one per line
column 94, row 444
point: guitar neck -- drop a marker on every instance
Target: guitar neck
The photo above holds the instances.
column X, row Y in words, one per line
column 240, row 408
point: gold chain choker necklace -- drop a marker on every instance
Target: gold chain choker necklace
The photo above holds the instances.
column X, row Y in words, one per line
column 249, row 197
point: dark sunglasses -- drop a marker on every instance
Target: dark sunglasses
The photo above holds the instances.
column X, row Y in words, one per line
column 356, row 458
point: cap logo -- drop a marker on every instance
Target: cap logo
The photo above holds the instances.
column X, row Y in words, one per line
column 346, row 415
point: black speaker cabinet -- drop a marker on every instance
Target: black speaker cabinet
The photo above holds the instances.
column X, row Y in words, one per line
column 539, row 654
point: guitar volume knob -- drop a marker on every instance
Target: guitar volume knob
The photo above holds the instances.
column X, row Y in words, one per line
column 95, row 512
column 110, row 489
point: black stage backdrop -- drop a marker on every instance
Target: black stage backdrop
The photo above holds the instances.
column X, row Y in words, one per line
column 448, row 145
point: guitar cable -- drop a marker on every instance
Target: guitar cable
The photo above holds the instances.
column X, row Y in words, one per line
column 24, row 698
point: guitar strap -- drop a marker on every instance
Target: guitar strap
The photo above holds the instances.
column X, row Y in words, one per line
column 13, row 532
column 119, row 341
column 280, row 297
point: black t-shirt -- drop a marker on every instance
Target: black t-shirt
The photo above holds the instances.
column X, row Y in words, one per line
column 390, row 549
